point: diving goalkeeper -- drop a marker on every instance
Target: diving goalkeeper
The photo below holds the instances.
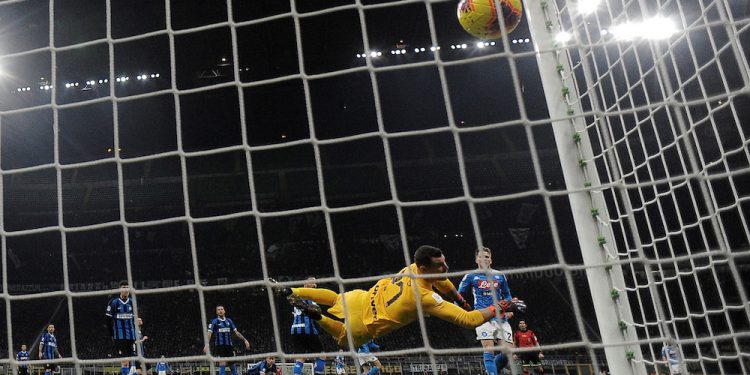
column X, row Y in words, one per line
column 392, row 302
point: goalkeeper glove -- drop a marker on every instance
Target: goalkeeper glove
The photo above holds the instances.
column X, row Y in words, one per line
column 461, row 301
column 514, row 305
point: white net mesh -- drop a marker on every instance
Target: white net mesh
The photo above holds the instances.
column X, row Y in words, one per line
column 197, row 148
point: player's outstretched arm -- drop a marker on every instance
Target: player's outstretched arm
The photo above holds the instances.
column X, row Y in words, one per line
column 435, row 306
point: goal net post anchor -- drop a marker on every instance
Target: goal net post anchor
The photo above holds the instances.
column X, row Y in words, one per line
column 574, row 150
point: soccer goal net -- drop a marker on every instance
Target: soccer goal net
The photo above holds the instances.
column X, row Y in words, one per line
column 198, row 148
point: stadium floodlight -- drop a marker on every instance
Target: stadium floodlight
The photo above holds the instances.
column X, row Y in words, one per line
column 587, row 6
column 480, row 44
column 67, row 85
column 563, row 37
column 464, row 45
column 374, row 54
column 654, row 28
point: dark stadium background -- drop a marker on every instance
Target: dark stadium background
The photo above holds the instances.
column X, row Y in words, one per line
column 367, row 241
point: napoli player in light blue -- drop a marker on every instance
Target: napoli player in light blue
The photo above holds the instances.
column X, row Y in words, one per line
column 340, row 365
column 484, row 282
column 162, row 367
column 671, row 357
column 370, row 363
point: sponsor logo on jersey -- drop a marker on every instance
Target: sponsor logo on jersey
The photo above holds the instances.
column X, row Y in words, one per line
column 486, row 284
column 437, row 298
column 225, row 330
column 124, row 316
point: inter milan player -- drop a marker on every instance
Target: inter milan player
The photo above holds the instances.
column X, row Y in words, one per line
column 48, row 348
column 264, row 367
column 121, row 325
column 305, row 337
column 484, row 282
column 222, row 329
column 23, row 356
column 526, row 338
column 391, row 303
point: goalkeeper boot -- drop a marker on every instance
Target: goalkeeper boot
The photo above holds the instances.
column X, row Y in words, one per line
column 283, row 291
column 310, row 309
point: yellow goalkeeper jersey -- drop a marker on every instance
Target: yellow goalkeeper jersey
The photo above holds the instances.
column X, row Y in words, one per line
column 392, row 303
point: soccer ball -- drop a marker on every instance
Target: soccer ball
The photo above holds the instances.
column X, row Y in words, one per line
column 479, row 17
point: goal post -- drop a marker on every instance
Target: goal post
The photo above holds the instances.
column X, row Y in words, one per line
column 660, row 220
column 587, row 203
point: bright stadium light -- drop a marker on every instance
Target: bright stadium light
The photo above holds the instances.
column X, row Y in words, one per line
column 67, row 85
column 480, row 44
column 563, row 37
column 587, row 6
column 654, row 28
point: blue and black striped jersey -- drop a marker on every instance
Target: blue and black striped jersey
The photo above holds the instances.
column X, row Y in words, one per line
column 222, row 330
column 22, row 356
column 302, row 324
column 48, row 344
column 123, row 319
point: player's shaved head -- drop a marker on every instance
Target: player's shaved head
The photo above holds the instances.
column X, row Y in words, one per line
column 424, row 255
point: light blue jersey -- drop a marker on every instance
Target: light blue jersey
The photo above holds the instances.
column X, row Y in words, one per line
column 482, row 287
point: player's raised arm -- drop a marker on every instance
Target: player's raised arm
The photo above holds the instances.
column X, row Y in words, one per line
column 446, row 288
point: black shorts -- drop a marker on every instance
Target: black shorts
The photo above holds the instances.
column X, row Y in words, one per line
column 23, row 371
column 50, row 366
column 123, row 348
column 529, row 358
column 223, row 351
column 306, row 344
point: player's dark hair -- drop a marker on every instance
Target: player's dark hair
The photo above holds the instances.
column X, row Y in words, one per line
column 219, row 305
column 482, row 249
column 424, row 254
column 124, row 283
